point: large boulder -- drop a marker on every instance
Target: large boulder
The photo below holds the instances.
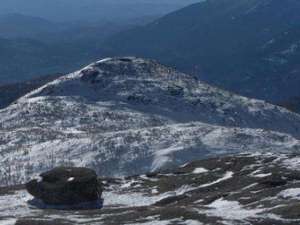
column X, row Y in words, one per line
column 66, row 186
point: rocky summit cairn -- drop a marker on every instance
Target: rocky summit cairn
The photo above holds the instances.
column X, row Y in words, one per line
column 66, row 187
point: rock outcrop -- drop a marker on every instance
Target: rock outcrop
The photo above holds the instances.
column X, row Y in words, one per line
column 252, row 189
column 66, row 186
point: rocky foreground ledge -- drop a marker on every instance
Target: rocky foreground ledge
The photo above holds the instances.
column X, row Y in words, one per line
column 244, row 189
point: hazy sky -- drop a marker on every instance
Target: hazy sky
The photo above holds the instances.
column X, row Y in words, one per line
column 68, row 10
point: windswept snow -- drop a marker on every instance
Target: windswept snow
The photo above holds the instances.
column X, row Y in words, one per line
column 130, row 199
column 125, row 116
column 262, row 175
column 231, row 210
column 290, row 193
column 176, row 197
column 226, row 176
column 293, row 163
column 200, row 170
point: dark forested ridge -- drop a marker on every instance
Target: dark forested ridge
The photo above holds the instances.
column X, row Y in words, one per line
column 92, row 10
column 250, row 47
column 23, row 59
column 31, row 46
column 44, row 37
column 11, row 92
column 292, row 104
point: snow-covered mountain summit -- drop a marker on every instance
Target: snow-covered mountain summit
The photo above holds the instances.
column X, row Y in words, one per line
column 153, row 89
column 129, row 115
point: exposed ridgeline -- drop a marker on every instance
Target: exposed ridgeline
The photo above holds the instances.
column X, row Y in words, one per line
column 11, row 92
column 25, row 59
column 122, row 116
column 248, row 47
column 292, row 104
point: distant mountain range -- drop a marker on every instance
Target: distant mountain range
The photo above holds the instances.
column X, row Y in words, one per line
column 40, row 47
column 92, row 10
column 18, row 25
column 292, row 104
column 124, row 116
column 23, row 59
column 15, row 25
column 11, row 92
column 249, row 47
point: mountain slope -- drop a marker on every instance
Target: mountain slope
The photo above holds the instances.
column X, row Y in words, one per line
column 249, row 47
column 255, row 189
column 128, row 115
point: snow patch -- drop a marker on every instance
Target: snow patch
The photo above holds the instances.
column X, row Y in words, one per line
column 113, row 199
column 155, row 222
column 292, row 163
column 15, row 205
column 192, row 222
column 261, row 175
column 164, row 156
column 290, row 193
column 70, row 179
column 199, row 170
column 231, row 210
column 104, row 60
column 9, row 221
column 226, row 176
